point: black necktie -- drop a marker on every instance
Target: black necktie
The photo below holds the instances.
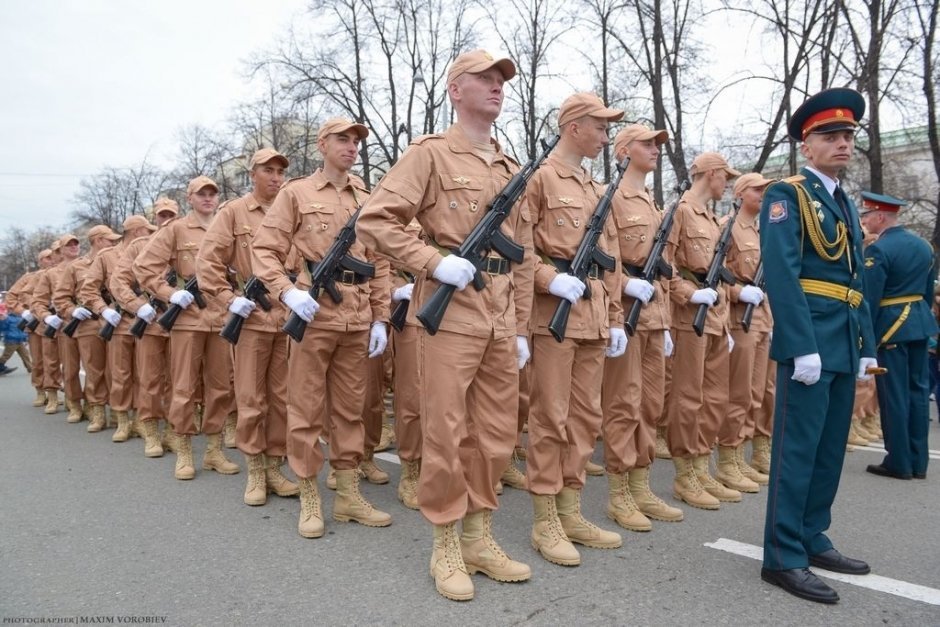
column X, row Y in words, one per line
column 841, row 200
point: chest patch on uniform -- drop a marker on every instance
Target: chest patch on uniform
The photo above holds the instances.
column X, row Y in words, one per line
column 869, row 262
column 778, row 211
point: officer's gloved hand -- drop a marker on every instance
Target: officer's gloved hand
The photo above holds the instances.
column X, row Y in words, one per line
column 147, row 313
column 28, row 315
column 242, row 306
column 403, row 292
column 704, row 296
column 301, row 303
column 618, row 342
column 80, row 313
column 567, row 286
column 522, row 351
column 455, row 271
column 378, row 339
column 864, row 364
column 807, row 368
column 53, row 321
column 182, row 298
column 751, row 294
column 668, row 345
column 639, row 289
column 113, row 317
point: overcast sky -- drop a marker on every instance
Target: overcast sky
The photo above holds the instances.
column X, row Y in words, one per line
column 94, row 83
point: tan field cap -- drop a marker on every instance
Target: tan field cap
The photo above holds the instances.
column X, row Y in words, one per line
column 165, row 204
column 579, row 105
column 711, row 161
column 65, row 239
column 135, row 222
column 200, row 182
column 334, row 126
column 267, row 154
column 45, row 252
column 634, row 132
column 56, row 245
column 102, row 231
column 477, row 61
column 751, row 179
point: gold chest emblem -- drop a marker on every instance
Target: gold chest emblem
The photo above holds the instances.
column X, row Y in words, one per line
column 461, row 180
column 565, row 199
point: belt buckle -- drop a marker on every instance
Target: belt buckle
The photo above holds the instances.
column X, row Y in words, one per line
column 853, row 298
column 594, row 271
column 348, row 277
column 492, row 266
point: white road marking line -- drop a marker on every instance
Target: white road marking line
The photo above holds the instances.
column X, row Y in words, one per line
column 389, row 457
column 875, row 448
column 896, row 587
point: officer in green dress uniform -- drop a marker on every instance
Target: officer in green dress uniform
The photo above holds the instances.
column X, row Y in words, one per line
column 899, row 279
column 811, row 242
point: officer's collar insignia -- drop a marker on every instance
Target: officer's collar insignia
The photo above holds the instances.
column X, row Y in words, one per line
column 815, row 185
column 869, row 262
column 461, row 180
column 821, row 215
column 817, row 204
column 778, row 211
column 565, row 199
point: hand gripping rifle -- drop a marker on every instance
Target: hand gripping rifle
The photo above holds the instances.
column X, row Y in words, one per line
column 254, row 291
column 656, row 266
column 749, row 310
column 168, row 319
column 140, row 325
column 588, row 253
column 336, row 261
column 400, row 313
column 72, row 326
column 50, row 330
column 107, row 331
column 717, row 272
column 484, row 237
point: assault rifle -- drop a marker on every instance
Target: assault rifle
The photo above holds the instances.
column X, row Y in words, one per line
column 589, row 254
column 717, row 272
column 49, row 332
column 72, row 326
column 107, row 331
column 140, row 325
column 749, row 310
column 168, row 319
column 656, row 266
column 400, row 313
column 485, row 237
column 255, row 291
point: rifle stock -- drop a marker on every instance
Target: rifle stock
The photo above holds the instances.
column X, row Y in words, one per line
column 254, row 291
column 749, row 309
column 716, row 270
column 168, row 319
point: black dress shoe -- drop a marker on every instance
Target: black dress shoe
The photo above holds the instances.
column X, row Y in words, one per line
column 801, row 582
column 920, row 475
column 881, row 471
column 838, row 563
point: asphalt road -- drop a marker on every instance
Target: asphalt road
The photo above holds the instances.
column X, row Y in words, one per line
column 92, row 531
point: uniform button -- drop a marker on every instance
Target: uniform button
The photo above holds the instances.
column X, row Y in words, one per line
column 244, row 244
column 309, row 227
column 560, row 222
column 453, row 204
column 324, row 227
column 642, row 238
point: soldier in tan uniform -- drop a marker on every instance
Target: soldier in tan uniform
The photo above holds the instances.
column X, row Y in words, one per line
column 196, row 350
column 18, row 299
column 152, row 395
column 565, row 415
column 39, row 306
column 261, row 351
column 469, row 368
column 751, row 354
column 330, row 361
column 91, row 347
column 64, row 347
column 698, row 396
column 633, row 391
column 95, row 294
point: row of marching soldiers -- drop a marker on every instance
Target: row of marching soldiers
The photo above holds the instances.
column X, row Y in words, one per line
column 463, row 395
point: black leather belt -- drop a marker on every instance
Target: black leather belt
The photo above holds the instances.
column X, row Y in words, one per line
column 495, row 265
column 348, row 277
column 634, row 271
column 696, row 277
column 563, row 265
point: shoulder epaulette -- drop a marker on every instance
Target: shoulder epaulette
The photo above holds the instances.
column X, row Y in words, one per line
column 796, row 178
column 357, row 182
column 292, row 180
column 423, row 138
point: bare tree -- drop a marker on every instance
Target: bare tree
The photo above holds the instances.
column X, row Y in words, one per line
column 113, row 194
column 19, row 249
column 202, row 152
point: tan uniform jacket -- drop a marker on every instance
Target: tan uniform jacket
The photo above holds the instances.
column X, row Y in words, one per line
column 97, row 278
column 65, row 295
column 42, row 292
column 226, row 251
column 742, row 259
column 637, row 218
column 123, row 281
column 561, row 200
column 695, row 231
column 308, row 213
column 176, row 245
column 447, row 186
column 18, row 296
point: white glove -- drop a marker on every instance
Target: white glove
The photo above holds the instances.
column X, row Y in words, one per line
column 751, row 294
column 567, row 286
column 618, row 342
column 53, row 321
column 80, row 313
column 639, row 289
column 730, row 343
column 113, row 317
column 522, row 351
column 147, row 313
column 182, row 298
column 301, row 303
column 668, row 345
column 378, row 339
column 242, row 306
column 28, row 315
column 704, row 296
column 455, row 271
column 403, row 292
column 807, row 368
column 864, row 364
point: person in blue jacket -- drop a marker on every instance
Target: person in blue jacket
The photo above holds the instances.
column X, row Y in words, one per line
column 899, row 281
column 811, row 246
column 14, row 341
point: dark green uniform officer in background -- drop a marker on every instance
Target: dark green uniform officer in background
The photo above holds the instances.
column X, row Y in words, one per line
column 899, row 279
column 811, row 242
